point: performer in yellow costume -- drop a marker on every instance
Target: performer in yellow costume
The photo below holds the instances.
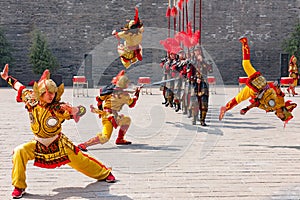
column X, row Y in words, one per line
column 131, row 51
column 50, row 148
column 293, row 73
column 266, row 96
column 111, row 100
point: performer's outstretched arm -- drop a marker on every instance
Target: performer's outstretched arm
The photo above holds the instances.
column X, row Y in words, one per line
column 10, row 80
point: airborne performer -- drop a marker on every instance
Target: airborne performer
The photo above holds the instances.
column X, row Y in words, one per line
column 50, row 148
column 131, row 51
column 266, row 96
column 110, row 102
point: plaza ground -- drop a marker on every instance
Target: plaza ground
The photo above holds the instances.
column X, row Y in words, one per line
column 241, row 157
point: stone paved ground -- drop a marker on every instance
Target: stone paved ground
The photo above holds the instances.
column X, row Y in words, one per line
column 242, row 157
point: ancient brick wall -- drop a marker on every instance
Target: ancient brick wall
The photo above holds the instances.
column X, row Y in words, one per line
column 77, row 27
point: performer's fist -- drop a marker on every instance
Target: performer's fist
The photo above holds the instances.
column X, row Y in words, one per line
column 114, row 32
column 4, row 73
column 92, row 108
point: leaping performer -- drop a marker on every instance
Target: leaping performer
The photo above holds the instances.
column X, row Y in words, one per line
column 264, row 95
column 131, row 51
column 110, row 102
column 50, row 148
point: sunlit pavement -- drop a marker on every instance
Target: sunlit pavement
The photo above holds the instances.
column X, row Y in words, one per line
column 241, row 157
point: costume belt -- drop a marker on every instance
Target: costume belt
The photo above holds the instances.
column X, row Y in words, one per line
column 110, row 111
column 46, row 141
column 132, row 48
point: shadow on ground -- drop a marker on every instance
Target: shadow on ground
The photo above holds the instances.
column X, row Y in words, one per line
column 96, row 190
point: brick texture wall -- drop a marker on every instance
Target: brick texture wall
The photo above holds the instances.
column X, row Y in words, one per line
column 77, row 27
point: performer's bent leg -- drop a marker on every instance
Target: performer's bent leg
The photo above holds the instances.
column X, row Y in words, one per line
column 101, row 137
column 22, row 154
column 138, row 53
column 292, row 87
column 124, row 124
column 88, row 165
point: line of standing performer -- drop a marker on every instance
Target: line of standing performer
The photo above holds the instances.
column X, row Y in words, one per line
column 185, row 84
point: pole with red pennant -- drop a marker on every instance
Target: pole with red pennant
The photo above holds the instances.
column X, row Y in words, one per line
column 174, row 15
column 168, row 14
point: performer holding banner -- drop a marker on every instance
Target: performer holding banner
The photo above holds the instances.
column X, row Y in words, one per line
column 110, row 102
column 266, row 96
column 50, row 147
column 131, row 51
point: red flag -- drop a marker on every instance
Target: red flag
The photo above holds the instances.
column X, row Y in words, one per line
column 171, row 45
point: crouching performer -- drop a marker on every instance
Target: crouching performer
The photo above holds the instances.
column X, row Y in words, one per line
column 131, row 51
column 266, row 96
column 50, row 148
column 111, row 100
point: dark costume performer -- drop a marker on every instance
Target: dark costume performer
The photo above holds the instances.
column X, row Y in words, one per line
column 202, row 92
column 266, row 96
column 50, row 148
column 110, row 102
column 131, row 51
column 293, row 73
column 168, row 66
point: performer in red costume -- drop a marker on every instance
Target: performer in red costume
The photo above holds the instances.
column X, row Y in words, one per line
column 131, row 51
column 110, row 102
column 50, row 147
column 266, row 96
column 293, row 73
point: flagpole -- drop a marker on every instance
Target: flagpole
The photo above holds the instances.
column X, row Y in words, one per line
column 186, row 12
column 194, row 20
column 200, row 21
column 168, row 14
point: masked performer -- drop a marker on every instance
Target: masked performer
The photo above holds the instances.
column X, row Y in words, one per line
column 266, row 96
column 131, row 51
column 293, row 73
column 50, row 147
column 111, row 100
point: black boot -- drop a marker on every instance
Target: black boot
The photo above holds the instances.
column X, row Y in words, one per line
column 165, row 101
column 189, row 113
column 202, row 120
column 178, row 107
column 194, row 120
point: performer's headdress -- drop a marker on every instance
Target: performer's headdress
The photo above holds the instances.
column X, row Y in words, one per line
column 293, row 59
column 136, row 23
column 45, row 84
column 121, row 80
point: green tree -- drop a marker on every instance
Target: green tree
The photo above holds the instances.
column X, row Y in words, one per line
column 5, row 50
column 40, row 55
column 292, row 44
